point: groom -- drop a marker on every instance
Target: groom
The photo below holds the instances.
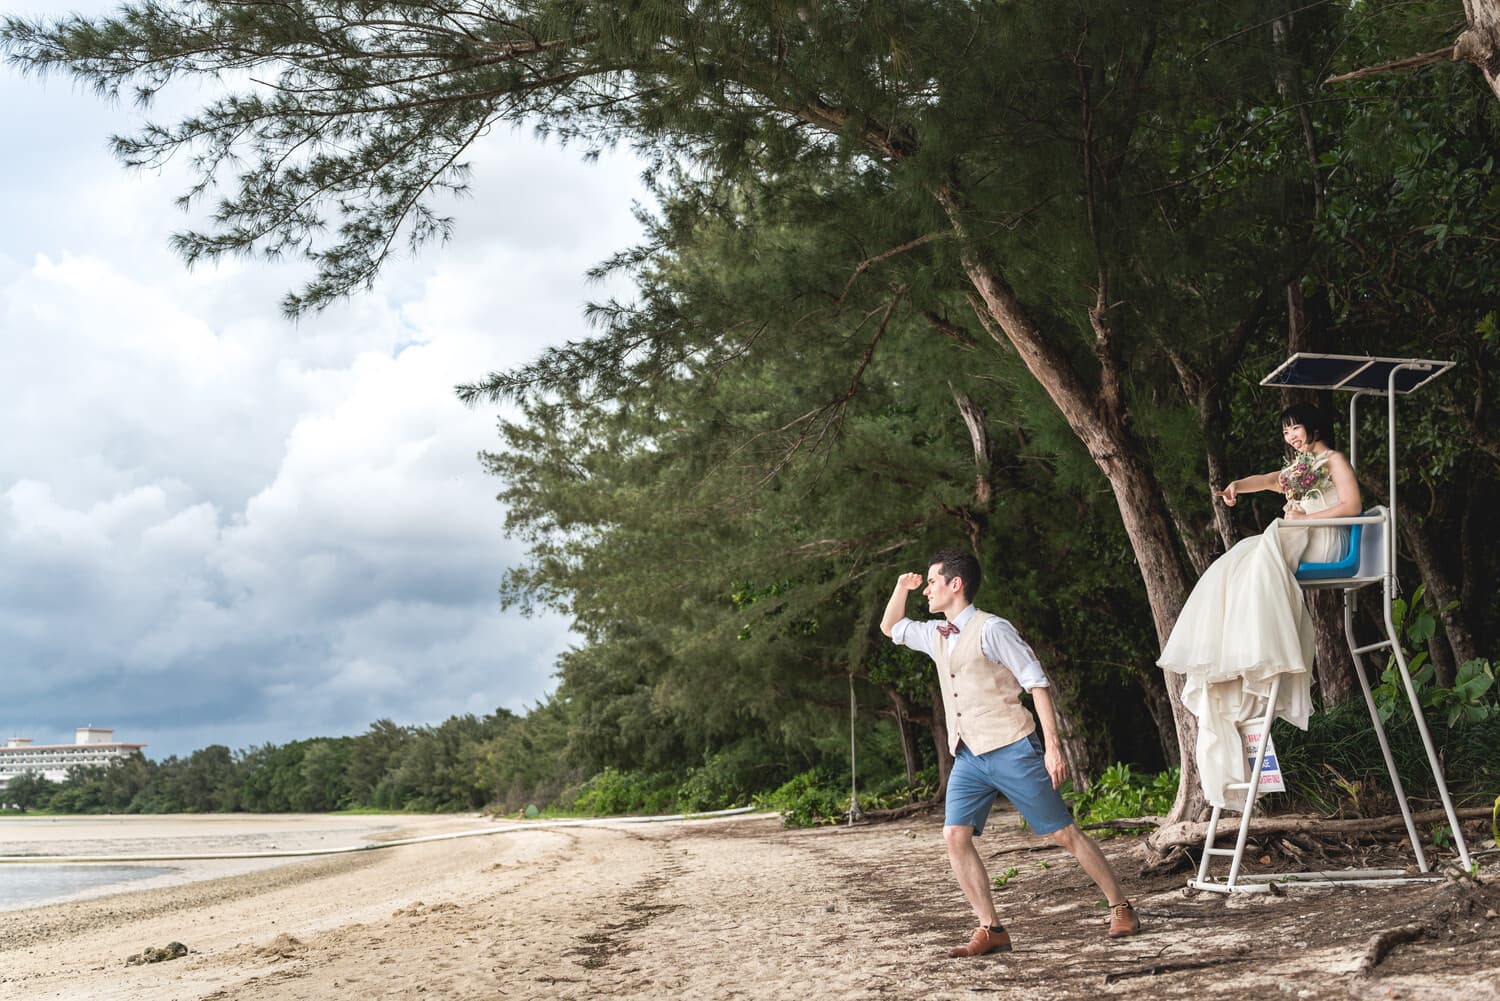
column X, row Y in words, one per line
column 982, row 665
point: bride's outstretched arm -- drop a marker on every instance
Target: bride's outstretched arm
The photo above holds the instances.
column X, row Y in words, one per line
column 1247, row 485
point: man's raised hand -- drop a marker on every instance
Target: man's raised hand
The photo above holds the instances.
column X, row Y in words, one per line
column 895, row 606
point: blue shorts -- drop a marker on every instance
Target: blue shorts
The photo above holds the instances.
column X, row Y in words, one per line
column 1015, row 771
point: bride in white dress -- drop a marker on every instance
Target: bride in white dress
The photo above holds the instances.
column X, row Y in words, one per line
column 1245, row 622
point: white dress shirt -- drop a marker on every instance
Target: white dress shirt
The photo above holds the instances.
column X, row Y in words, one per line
column 999, row 642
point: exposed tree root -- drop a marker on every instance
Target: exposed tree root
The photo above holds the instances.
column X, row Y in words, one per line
column 1156, row 969
column 1124, row 824
column 1156, row 865
column 897, row 812
column 1381, row 945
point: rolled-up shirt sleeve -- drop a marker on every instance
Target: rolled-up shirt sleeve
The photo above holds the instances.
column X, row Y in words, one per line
column 916, row 635
column 1002, row 644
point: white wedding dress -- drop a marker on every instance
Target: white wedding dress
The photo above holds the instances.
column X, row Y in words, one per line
column 1244, row 625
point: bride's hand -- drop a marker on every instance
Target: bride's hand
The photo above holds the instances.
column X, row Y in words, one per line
column 1227, row 495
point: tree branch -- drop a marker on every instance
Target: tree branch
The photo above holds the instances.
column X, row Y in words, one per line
column 868, row 263
column 1448, row 54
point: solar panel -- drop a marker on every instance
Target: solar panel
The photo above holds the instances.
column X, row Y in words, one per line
column 1355, row 372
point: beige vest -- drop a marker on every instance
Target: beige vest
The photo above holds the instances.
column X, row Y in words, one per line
column 982, row 698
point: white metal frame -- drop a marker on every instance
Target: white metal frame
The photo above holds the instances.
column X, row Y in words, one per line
column 1377, row 565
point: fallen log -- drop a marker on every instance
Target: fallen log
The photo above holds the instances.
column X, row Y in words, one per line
column 1188, row 834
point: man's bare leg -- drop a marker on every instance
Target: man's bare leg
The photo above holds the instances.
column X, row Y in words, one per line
column 968, row 867
column 1123, row 920
column 1091, row 860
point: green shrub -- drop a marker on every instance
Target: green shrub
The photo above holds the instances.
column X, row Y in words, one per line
column 1470, row 700
column 896, row 791
column 1120, row 793
column 812, row 798
column 729, row 778
column 613, row 792
column 1336, row 765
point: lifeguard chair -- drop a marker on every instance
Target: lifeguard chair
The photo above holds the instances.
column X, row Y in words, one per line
column 1370, row 560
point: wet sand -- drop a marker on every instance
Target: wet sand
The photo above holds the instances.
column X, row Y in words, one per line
column 196, row 835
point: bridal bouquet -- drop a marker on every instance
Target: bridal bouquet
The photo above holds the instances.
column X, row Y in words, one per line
column 1303, row 477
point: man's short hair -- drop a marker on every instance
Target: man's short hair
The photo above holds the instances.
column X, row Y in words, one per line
column 959, row 563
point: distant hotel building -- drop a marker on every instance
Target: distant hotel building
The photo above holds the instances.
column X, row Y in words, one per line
column 90, row 747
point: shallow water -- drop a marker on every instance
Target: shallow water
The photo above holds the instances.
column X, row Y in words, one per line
column 26, row 885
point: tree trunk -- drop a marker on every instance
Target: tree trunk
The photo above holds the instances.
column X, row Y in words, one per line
column 1086, row 746
column 908, row 752
column 940, row 741
column 1477, row 571
column 1440, row 656
column 1101, row 424
column 1442, row 594
column 979, row 441
column 1159, row 705
column 1188, row 835
column 1206, row 391
column 1449, row 598
column 1480, row 42
column 1335, row 669
column 1098, row 417
column 1218, row 476
column 1199, row 552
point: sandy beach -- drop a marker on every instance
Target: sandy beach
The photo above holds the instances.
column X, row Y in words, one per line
column 727, row 908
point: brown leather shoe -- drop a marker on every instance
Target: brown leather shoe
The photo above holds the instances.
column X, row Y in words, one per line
column 1123, row 920
column 984, row 941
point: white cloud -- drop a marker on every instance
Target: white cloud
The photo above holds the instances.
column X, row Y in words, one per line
column 220, row 527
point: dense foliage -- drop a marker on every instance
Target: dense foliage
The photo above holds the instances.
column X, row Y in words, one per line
column 917, row 273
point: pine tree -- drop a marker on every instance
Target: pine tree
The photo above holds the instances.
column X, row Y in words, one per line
column 1065, row 172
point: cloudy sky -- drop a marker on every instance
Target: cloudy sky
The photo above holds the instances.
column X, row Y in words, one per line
column 220, row 527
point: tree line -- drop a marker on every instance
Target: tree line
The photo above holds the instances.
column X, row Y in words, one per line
column 502, row 762
column 464, row 763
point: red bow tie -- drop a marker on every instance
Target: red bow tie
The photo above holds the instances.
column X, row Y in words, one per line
column 947, row 629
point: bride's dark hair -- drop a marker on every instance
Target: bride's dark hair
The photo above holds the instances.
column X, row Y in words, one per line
column 1315, row 419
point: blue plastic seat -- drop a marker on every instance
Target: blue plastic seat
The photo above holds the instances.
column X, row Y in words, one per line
column 1345, row 566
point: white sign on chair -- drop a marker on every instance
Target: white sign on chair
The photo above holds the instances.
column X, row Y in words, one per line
column 1270, row 768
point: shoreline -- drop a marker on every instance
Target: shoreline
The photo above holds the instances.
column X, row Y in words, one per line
column 158, row 841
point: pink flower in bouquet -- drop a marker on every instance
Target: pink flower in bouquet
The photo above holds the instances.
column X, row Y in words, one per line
column 1301, row 476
